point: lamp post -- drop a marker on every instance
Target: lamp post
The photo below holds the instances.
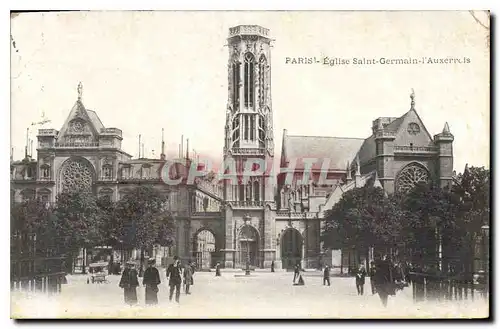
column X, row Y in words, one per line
column 485, row 230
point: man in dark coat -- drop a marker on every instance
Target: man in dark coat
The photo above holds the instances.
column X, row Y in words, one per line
column 175, row 279
column 151, row 280
column 272, row 266
column 360, row 279
column 326, row 275
column 129, row 284
column 384, row 282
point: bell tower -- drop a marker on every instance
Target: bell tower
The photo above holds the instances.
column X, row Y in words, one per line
column 249, row 117
column 249, row 147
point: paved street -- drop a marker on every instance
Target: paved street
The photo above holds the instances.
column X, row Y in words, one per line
column 264, row 294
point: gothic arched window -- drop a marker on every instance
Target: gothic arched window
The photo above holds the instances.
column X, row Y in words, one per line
column 410, row 176
column 249, row 79
column 241, row 192
column 245, row 127
column 252, row 128
column 256, row 191
column 77, row 175
column 236, row 85
column 262, row 80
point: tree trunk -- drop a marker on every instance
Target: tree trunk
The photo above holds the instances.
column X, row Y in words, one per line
column 83, row 261
column 141, row 270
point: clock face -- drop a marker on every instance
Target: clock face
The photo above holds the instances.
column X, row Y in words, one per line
column 413, row 128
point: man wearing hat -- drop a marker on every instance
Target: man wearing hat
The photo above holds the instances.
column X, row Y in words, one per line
column 129, row 283
column 151, row 280
column 175, row 279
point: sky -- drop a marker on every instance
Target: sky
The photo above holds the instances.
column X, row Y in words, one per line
column 144, row 71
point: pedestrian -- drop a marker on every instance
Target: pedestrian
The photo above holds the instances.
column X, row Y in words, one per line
column 188, row 278
column 174, row 276
column 151, row 280
column 372, row 277
column 272, row 266
column 296, row 272
column 217, row 269
column 360, row 279
column 326, row 275
column 129, row 283
column 384, row 283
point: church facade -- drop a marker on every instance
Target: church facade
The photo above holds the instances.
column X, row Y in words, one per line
column 260, row 218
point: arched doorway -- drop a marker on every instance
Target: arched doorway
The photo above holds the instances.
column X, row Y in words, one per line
column 291, row 248
column 248, row 246
column 204, row 249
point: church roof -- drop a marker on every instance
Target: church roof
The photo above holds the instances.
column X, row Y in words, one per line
column 95, row 120
column 368, row 149
column 338, row 150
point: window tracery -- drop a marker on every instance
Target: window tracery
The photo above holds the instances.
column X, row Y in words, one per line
column 410, row 176
column 249, row 80
column 77, row 175
column 248, row 233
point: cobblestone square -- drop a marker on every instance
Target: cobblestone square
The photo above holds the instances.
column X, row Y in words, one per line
column 261, row 295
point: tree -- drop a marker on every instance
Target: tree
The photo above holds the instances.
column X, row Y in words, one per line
column 33, row 217
column 146, row 220
column 473, row 190
column 29, row 216
column 78, row 222
column 110, row 224
column 472, row 196
column 363, row 217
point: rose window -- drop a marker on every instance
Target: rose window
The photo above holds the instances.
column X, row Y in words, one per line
column 410, row 176
column 77, row 176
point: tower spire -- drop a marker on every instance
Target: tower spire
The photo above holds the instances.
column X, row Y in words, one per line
column 139, row 147
column 182, row 147
column 80, row 91
column 446, row 129
column 162, row 155
column 412, row 97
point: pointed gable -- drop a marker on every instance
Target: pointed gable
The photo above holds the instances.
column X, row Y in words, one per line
column 410, row 129
column 81, row 125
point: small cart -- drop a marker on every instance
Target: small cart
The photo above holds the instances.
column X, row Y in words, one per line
column 97, row 273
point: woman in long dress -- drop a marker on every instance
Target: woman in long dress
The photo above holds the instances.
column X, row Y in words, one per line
column 129, row 284
column 151, row 280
